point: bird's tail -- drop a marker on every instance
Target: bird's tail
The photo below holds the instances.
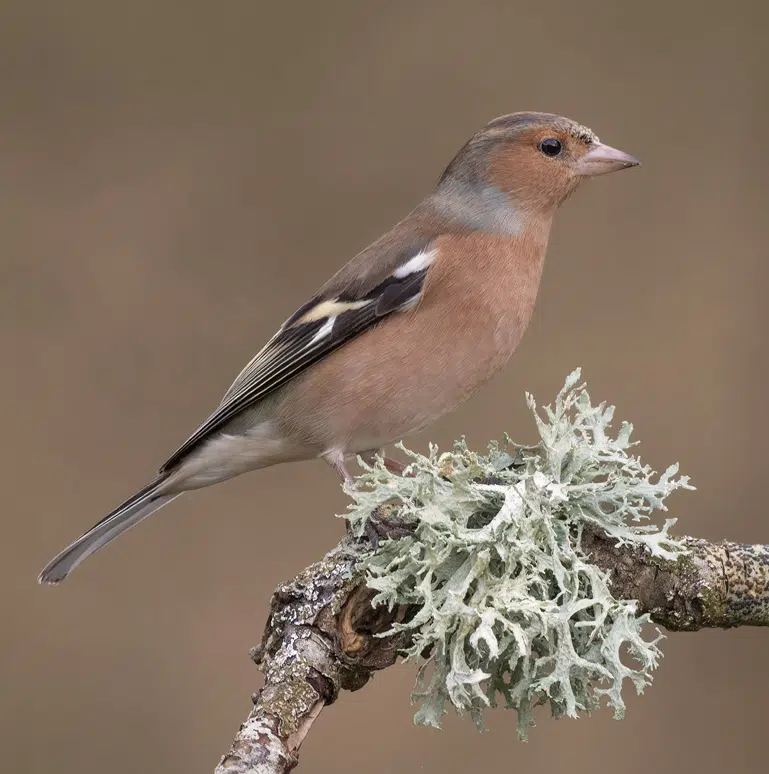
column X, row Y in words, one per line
column 125, row 516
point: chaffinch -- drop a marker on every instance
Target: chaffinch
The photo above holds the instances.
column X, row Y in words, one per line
column 402, row 334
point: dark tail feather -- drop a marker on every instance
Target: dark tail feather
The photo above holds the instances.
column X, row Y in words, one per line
column 125, row 516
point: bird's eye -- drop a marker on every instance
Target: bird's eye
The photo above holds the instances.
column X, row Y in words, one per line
column 550, row 146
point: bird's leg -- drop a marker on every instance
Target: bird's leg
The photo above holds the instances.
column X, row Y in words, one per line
column 337, row 462
column 393, row 466
column 381, row 524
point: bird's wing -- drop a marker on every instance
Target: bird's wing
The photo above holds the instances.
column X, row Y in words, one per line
column 389, row 278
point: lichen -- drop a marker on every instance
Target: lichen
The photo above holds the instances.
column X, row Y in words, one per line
column 510, row 608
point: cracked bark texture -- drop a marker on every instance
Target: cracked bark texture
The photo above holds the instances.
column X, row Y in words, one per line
column 713, row 585
column 320, row 635
column 319, row 639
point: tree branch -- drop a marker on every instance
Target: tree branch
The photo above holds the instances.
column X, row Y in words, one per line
column 320, row 637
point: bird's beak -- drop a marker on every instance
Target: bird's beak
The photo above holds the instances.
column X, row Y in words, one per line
column 601, row 159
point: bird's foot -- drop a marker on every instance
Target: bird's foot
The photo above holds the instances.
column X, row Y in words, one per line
column 382, row 525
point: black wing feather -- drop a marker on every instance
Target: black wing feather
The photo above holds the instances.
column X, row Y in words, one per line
column 299, row 345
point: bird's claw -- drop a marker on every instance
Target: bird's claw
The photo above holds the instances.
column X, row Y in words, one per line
column 382, row 526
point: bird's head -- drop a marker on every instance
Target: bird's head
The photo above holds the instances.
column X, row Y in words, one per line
column 536, row 159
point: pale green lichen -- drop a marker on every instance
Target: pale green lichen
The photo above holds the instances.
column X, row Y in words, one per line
column 509, row 606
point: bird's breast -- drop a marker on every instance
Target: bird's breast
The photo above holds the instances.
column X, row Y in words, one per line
column 413, row 367
column 483, row 290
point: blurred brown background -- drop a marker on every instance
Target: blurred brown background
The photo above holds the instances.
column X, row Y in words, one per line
column 176, row 178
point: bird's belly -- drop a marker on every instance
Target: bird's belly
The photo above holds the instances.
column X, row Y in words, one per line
column 249, row 442
column 392, row 382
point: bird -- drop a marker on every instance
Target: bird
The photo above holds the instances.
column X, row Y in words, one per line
column 402, row 334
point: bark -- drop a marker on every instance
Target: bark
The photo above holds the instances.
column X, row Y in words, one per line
column 320, row 635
